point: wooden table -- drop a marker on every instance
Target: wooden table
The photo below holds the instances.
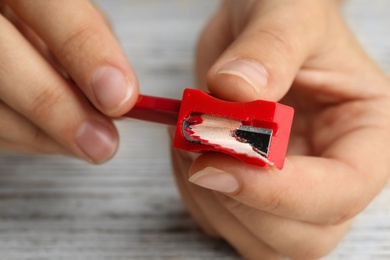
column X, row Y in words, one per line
column 61, row 208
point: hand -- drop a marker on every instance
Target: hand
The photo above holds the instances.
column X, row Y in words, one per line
column 301, row 53
column 62, row 73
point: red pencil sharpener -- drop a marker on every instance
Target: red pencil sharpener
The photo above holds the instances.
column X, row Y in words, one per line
column 255, row 132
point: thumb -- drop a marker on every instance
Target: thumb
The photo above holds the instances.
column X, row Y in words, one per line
column 267, row 53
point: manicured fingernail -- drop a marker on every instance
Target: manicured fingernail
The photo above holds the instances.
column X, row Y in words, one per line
column 249, row 70
column 111, row 88
column 96, row 140
column 213, row 179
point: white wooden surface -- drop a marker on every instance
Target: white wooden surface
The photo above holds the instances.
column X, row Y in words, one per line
column 61, row 208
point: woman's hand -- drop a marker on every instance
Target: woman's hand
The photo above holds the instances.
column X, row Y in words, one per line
column 62, row 73
column 301, row 53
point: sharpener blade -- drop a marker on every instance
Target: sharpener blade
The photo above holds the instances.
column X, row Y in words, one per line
column 259, row 138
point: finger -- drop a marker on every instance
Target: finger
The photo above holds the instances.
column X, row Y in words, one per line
column 288, row 237
column 247, row 245
column 33, row 38
column 181, row 163
column 9, row 146
column 272, row 42
column 215, row 38
column 80, row 39
column 26, row 31
column 317, row 190
column 208, row 207
column 30, row 86
column 20, row 135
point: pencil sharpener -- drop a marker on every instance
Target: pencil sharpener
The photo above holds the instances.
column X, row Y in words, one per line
column 254, row 132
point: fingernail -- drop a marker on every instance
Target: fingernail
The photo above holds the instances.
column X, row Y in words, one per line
column 96, row 140
column 111, row 88
column 249, row 70
column 213, row 179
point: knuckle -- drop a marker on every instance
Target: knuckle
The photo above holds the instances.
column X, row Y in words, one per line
column 346, row 213
column 228, row 202
column 312, row 253
column 209, row 231
column 353, row 208
column 273, row 202
column 42, row 106
column 283, row 44
column 309, row 248
column 343, row 216
column 42, row 143
column 38, row 136
column 76, row 42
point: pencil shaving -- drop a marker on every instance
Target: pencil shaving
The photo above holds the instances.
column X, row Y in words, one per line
column 221, row 132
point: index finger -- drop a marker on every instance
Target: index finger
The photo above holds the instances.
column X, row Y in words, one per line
column 79, row 37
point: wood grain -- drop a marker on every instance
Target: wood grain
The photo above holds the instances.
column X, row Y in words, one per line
column 60, row 208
